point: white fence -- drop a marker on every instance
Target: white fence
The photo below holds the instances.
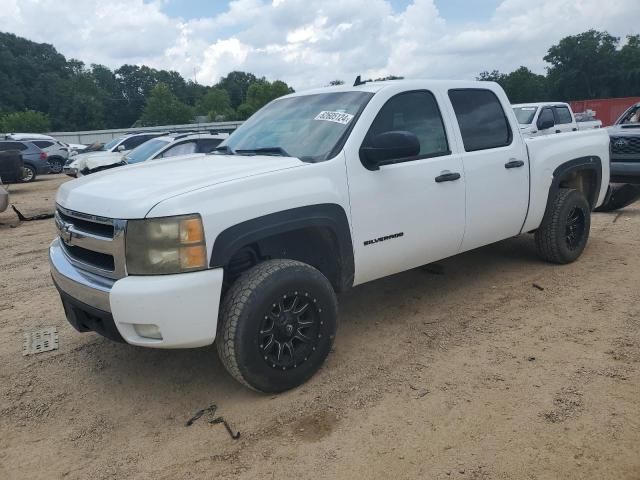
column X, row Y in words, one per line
column 103, row 136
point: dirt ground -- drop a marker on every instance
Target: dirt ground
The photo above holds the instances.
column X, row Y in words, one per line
column 472, row 374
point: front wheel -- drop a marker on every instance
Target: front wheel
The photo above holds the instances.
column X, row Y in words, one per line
column 278, row 322
column 565, row 227
column 56, row 165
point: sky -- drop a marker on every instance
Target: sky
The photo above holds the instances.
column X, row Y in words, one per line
column 308, row 43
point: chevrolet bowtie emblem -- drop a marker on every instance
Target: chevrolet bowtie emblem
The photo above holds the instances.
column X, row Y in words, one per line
column 65, row 232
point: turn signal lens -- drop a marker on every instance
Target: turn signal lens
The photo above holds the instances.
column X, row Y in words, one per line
column 191, row 231
column 192, row 258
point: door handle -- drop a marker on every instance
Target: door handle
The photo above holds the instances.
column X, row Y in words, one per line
column 514, row 164
column 447, row 177
column 558, row 131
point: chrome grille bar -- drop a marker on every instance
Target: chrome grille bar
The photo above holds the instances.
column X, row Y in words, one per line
column 103, row 255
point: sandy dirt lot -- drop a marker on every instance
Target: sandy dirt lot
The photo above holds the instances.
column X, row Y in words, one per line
column 472, row 374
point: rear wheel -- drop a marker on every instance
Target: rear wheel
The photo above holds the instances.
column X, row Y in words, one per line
column 278, row 322
column 565, row 228
column 28, row 173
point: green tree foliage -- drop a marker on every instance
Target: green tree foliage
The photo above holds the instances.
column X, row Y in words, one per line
column 592, row 64
column 25, row 121
column 164, row 108
column 216, row 105
column 237, row 85
column 259, row 94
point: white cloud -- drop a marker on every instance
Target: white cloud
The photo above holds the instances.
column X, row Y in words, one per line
column 310, row 42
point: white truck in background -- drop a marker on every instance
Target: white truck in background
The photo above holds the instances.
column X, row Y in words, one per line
column 548, row 118
column 318, row 192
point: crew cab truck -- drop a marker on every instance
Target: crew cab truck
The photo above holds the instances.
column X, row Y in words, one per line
column 317, row 192
column 549, row 118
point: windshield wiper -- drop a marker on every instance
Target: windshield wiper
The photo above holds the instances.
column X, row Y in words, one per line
column 277, row 151
column 224, row 149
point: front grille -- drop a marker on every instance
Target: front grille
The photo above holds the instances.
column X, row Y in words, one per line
column 92, row 243
column 89, row 257
column 625, row 145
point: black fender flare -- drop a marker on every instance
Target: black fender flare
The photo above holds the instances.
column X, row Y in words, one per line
column 593, row 163
column 326, row 215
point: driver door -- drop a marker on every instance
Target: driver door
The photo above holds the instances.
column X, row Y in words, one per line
column 411, row 212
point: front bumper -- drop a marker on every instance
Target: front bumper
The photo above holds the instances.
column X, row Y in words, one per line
column 625, row 172
column 182, row 307
column 72, row 172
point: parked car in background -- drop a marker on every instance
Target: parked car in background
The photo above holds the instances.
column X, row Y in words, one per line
column 4, row 197
column 11, row 166
column 549, row 118
column 113, row 149
column 625, row 147
column 33, row 158
column 57, row 153
column 76, row 148
column 159, row 147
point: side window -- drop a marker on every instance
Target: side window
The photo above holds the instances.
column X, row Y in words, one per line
column 42, row 143
column 206, row 145
column 4, row 146
column 483, row 123
column 416, row 112
column 563, row 115
column 184, row 148
column 546, row 115
column 133, row 142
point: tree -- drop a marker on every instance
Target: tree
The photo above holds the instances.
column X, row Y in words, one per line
column 164, row 108
column 259, row 94
column 335, row 83
column 27, row 121
column 583, row 66
column 216, row 105
column 237, row 85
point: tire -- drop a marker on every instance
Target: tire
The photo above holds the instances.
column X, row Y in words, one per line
column 565, row 227
column 259, row 319
column 29, row 173
column 56, row 165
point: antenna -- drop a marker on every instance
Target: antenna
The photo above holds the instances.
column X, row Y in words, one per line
column 358, row 81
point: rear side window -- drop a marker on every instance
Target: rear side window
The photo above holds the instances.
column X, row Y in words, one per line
column 483, row 123
column 184, row 148
column 207, row 145
column 416, row 112
column 563, row 115
column 42, row 143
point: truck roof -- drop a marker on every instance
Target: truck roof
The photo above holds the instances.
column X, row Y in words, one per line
column 374, row 87
column 540, row 104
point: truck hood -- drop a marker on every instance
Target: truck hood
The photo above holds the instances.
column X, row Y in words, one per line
column 132, row 191
column 626, row 130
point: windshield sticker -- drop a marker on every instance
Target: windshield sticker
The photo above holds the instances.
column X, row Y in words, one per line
column 336, row 117
column 528, row 109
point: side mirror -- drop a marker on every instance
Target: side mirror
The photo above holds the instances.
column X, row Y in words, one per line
column 545, row 122
column 386, row 147
column 120, row 148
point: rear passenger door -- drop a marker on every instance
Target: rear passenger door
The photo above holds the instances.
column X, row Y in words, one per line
column 495, row 166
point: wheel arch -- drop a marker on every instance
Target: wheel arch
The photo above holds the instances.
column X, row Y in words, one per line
column 583, row 174
column 323, row 228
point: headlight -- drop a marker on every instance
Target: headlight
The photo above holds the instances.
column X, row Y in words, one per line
column 165, row 245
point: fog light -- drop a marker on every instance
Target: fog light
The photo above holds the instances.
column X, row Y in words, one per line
column 148, row 330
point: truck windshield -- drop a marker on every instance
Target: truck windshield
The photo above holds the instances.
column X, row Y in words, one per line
column 308, row 127
column 525, row 114
column 109, row 145
column 145, row 151
column 631, row 117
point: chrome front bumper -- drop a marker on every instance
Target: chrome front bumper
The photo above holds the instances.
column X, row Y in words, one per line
column 85, row 287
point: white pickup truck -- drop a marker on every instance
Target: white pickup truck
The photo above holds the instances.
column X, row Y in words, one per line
column 550, row 117
column 317, row 192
